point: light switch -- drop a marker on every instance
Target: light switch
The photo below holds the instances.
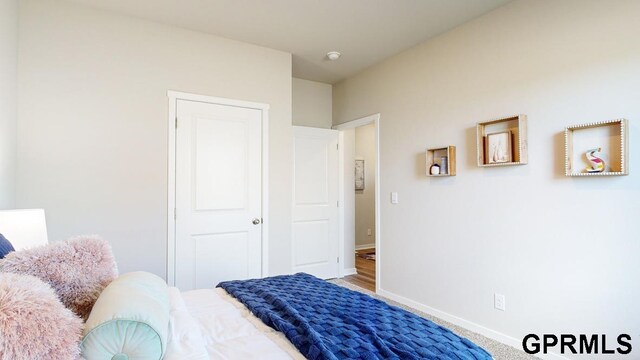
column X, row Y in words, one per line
column 394, row 197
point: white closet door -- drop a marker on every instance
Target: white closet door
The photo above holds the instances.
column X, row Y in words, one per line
column 315, row 202
column 218, row 194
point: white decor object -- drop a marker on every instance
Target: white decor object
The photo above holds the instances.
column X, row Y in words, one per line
column 24, row 228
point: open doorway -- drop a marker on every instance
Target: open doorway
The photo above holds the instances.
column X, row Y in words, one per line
column 360, row 226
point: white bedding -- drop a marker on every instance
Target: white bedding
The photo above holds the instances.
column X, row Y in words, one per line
column 210, row 324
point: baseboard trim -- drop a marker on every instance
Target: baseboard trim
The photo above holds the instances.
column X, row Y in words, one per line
column 347, row 272
column 366, row 246
column 469, row 325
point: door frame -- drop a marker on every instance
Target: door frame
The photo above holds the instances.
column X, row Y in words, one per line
column 172, row 122
column 375, row 119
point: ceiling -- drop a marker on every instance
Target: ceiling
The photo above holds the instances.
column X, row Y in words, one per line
column 364, row 31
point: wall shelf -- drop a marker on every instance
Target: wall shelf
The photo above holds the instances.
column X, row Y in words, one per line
column 611, row 136
column 515, row 129
column 434, row 156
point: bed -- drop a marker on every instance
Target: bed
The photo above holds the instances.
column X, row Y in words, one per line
column 211, row 324
column 138, row 317
column 314, row 319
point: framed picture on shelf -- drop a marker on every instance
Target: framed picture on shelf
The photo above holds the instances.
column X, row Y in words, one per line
column 359, row 174
column 498, row 148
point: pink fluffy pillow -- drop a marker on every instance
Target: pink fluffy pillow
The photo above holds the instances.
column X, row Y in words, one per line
column 78, row 269
column 33, row 322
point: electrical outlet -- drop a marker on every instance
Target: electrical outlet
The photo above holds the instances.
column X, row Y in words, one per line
column 499, row 301
column 369, row 232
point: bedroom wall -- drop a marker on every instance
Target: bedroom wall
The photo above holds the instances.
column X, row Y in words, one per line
column 564, row 251
column 311, row 103
column 365, row 215
column 93, row 106
column 8, row 100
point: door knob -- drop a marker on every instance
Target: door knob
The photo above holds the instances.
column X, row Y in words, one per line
column 256, row 221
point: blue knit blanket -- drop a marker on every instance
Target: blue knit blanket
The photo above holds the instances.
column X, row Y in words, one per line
column 326, row 321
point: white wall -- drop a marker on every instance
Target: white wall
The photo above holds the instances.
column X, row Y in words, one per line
column 8, row 100
column 365, row 215
column 93, row 122
column 563, row 250
column 311, row 103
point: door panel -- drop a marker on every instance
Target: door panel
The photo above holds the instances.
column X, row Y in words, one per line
column 311, row 169
column 211, row 264
column 315, row 202
column 218, row 194
column 221, row 162
column 312, row 246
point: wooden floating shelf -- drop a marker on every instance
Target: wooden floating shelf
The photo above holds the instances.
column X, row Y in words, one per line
column 515, row 129
column 610, row 135
column 434, row 156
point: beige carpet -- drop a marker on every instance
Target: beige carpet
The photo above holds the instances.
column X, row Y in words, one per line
column 498, row 350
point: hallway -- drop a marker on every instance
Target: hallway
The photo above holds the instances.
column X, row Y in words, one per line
column 366, row 270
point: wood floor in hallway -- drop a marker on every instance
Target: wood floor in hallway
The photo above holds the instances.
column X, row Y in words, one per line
column 366, row 270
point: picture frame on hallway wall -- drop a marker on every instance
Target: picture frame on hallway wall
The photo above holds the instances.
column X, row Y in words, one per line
column 498, row 148
column 359, row 175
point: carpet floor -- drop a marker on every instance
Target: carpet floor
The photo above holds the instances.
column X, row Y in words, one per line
column 498, row 350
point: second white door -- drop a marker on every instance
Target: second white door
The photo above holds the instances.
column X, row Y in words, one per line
column 315, row 202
